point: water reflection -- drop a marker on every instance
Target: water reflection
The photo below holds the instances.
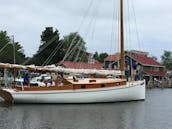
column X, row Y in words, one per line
column 94, row 116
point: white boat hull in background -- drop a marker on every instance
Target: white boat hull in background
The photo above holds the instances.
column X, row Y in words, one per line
column 135, row 91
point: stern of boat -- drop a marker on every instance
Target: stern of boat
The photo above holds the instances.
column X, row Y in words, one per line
column 7, row 96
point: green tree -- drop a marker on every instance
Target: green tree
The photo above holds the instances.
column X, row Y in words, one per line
column 96, row 56
column 74, row 48
column 100, row 57
column 167, row 59
column 7, row 48
column 54, row 50
column 49, row 50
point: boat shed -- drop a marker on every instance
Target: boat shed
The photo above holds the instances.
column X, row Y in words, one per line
column 138, row 63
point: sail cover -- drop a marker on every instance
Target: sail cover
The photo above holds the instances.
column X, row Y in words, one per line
column 53, row 68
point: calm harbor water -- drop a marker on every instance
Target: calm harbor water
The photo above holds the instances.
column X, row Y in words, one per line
column 154, row 113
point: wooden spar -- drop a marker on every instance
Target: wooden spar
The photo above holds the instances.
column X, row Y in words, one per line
column 122, row 62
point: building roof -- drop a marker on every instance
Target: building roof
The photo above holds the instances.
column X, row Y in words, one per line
column 81, row 65
column 145, row 60
column 140, row 58
column 113, row 58
column 156, row 73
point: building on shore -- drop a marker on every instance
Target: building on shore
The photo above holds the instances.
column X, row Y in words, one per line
column 82, row 65
column 138, row 65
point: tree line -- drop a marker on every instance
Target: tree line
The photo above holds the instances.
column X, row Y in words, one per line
column 7, row 50
column 52, row 49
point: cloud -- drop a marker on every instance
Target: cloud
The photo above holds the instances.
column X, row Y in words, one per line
column 27, row 19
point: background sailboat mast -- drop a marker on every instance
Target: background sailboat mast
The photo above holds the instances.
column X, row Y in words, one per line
column 122, row 62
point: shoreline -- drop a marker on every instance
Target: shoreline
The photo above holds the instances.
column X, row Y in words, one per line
column 159, row 84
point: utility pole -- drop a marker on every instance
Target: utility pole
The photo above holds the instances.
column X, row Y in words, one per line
column 14, row 52
column 14, row 57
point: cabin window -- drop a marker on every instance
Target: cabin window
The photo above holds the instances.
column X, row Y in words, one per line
column 83, row 86
column 92, row 80
column 103, row 85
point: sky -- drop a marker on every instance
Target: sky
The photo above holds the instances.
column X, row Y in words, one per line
column 148, row 23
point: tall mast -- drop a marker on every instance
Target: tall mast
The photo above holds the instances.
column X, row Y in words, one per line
column 122, row 62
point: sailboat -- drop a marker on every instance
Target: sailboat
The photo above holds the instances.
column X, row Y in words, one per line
column 89, row 90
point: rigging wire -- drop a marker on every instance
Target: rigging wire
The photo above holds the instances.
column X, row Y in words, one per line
column 46, row 45
column 117, row 33
column 77, row 56
column 68, row 50
column 127, row 25
column 131, row 10
column 113, row 27
column 135, row 22
column 91, row 20
column 85, row 14
column 84, row 17
column 114, row 39
column 52, row 54
column 83, row 54
column 129, row 39
column 71, row 53
column 4, row 47
column 91, row 25
column 90, row 29
column 95, row 19
column 79, row 46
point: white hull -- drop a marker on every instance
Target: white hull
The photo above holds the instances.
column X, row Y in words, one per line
column 135, row 91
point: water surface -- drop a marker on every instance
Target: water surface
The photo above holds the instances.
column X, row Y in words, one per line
column 154, row 113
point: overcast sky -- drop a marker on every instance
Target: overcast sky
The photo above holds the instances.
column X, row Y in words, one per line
column 94, row 21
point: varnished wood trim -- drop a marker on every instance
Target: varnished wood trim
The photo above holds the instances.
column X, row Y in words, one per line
column 71, row 86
